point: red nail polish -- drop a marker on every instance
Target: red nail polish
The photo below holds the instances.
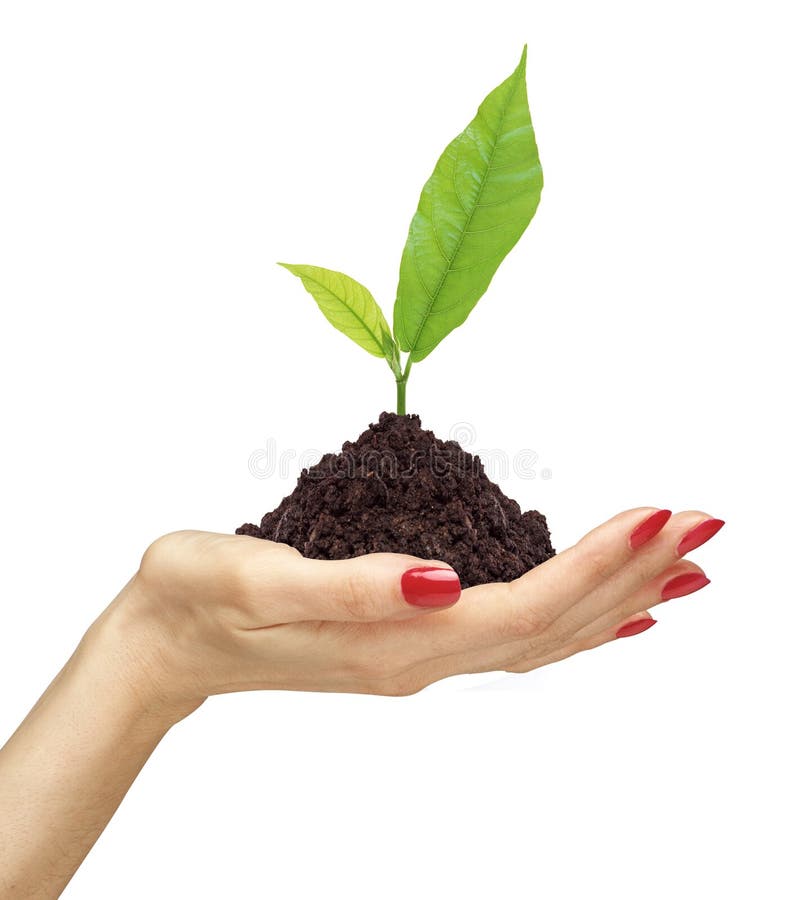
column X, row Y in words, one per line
column 681, row 585
column 647, row 529
column 635, row 627
column 697, row 535
column 430, row 586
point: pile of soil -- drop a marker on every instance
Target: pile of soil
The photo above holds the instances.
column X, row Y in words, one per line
column 400, row 489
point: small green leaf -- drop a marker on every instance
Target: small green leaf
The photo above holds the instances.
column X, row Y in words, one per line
column 391, row 353
column 475, row 206
column 350, row 308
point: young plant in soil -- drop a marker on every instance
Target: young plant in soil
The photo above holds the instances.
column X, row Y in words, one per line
column 482, row 194
column 430, row 498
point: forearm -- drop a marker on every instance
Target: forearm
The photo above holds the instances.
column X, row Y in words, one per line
column 66, row 769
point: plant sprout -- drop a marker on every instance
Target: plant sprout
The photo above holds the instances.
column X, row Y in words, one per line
column 482, row 194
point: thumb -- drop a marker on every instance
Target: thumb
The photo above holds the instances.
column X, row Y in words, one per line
column 372, row 587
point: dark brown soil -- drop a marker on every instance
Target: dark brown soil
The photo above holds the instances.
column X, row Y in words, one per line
column 400, row 489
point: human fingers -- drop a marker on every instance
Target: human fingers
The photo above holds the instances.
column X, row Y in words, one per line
column 635, row 625
column 493, row 614
column 640, row 580
column 679, row 580
column 676, row 581
column 410, row 680
column 262, row 583
column 369, row 588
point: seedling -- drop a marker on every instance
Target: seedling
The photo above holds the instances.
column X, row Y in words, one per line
column 483, row 193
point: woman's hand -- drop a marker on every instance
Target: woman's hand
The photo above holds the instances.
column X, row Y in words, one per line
column 211, row 613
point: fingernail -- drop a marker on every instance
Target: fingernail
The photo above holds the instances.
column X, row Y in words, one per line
column 697, row 535
column 430, row 586
column 647, row 529
column 636, row 627
column 681, row 585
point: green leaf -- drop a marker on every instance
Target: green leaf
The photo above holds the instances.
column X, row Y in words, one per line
column 475, row 206
column 350, row 308
column 391, row 352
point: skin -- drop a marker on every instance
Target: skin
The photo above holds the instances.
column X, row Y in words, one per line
column 210, row 613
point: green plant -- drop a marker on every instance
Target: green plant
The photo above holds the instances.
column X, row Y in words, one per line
column 473, row 209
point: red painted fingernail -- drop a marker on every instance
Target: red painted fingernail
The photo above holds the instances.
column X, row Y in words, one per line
column 647, row 529
column 697, row 535
column 635, row 627
column 681, row 585
column 430, row 586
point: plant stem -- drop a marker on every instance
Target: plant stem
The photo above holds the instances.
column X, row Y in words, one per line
column 401, row 382
column 401, row 396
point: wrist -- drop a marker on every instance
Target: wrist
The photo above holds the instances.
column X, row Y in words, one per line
column 129, row 645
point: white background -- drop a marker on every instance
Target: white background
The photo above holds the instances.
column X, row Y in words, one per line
column 157, row 159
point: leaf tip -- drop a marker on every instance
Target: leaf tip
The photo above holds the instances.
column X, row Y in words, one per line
column 523, row 60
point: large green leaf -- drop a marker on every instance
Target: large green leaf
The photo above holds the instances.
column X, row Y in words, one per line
column 350, row 308
column 481, row 196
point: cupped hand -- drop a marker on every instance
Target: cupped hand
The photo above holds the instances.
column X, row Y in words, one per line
column 211, row 613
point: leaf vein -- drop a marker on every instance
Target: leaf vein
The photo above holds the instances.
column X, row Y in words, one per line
column 435, row 233
column 501, row 224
